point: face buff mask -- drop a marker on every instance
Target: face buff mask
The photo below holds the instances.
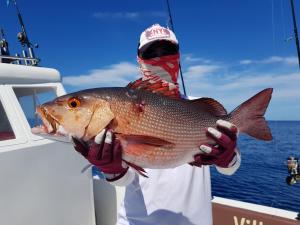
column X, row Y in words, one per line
column 165, row 67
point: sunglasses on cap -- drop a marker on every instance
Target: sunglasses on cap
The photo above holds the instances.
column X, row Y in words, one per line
column 158, row 48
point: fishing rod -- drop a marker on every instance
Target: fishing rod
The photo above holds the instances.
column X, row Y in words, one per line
column 172, row 28
column 292, row 162
column 295, row 31
column 22, row 36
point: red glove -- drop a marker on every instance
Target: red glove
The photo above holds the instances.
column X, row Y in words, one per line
column 105, row 152
column 224, row 152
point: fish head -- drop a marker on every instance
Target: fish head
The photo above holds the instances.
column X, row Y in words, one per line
column 81, row 116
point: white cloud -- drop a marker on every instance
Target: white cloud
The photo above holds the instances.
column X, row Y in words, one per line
column 114, row 75
column 189, row 58
column 246, row 62
column 273, row 59
column 116, row 15
column 129, row 15
column 285, row 93
column 263, row 80
column 248, row 81
column 291, row 60
column 200, row 70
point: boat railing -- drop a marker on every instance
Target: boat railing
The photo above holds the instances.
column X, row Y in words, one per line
column 19, row 60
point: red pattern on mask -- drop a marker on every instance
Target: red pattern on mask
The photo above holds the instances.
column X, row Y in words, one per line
column 170, row 64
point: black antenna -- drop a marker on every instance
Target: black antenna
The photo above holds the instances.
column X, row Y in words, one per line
column 22, row 36
column 172, row 28
column 295, row 31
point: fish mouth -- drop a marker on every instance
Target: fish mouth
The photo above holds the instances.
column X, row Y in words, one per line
column 50, row 124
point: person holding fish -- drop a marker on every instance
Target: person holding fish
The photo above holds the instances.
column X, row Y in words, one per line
column 179, row 195
column 157, row 143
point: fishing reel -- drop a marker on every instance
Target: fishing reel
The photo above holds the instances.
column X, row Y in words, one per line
column 23, row 39
column 293, row 170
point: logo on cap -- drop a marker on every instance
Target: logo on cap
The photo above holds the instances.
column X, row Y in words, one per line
column 157, row 32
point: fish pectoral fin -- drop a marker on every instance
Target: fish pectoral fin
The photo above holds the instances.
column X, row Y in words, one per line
column 155, row 84
column 137, row 148
column 144, row 140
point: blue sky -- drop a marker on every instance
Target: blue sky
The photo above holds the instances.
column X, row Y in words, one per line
column 230, row 50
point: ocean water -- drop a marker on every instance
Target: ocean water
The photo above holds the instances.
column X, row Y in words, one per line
column 261, row 176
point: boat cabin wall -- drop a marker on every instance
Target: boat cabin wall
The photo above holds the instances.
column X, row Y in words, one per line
column 18, row 105
column 41, row 180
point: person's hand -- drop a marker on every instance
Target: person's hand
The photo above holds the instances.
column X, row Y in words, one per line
column 105, row 152
column 223, row 154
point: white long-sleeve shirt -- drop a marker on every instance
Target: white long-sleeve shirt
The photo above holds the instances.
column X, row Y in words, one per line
column 177, row 196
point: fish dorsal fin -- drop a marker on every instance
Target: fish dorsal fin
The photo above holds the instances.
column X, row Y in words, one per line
column 155, row 84
column 210, row 105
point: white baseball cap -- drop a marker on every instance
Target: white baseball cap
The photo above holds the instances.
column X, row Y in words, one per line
column 157, row 32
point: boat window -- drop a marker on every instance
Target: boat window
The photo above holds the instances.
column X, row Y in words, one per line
column 30, row 97
column 6, row 132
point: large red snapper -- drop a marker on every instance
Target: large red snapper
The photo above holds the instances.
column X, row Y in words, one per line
column 155, row 131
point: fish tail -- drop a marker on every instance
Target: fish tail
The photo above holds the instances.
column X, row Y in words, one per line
column 249, row 116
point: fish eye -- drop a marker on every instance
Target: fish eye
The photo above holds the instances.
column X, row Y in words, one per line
column 73, row 103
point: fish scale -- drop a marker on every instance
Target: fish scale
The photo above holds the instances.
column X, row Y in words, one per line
column 158, row 119
column 172, row 120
